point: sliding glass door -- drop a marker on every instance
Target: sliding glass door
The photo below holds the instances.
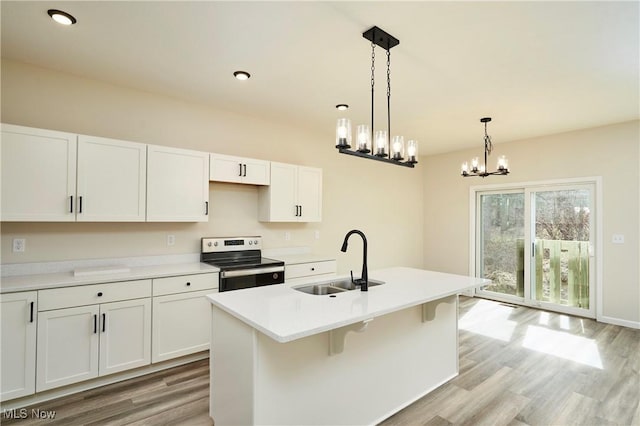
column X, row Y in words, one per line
column 536, row 245
column 501, row 241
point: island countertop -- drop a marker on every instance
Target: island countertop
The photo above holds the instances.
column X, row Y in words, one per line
column 285, row 314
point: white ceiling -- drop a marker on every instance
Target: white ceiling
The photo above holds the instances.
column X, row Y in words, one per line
column 536, row 67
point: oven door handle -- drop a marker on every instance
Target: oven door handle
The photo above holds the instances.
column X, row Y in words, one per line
column 248, row 272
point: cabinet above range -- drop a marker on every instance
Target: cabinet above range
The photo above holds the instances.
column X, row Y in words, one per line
column 227, row 168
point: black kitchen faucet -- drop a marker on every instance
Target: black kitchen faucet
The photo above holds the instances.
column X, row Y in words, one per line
column 363, row 282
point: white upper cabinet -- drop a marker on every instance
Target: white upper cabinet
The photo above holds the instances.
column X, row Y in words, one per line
column 38, row 175
column 295, row 194
column 226, row 168
column 40, row 169
column 177, row 185
column 111, row 180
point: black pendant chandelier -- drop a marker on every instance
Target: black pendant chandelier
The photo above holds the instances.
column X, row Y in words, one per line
column 387, row 149
column 481, row 169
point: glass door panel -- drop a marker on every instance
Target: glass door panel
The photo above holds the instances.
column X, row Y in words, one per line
column 501, row 242
column 562, row 240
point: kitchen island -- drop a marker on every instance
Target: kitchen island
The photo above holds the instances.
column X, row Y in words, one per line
column 281, row 356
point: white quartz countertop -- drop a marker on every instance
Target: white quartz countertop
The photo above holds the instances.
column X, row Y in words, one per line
column 108, row 274
column 285, row 314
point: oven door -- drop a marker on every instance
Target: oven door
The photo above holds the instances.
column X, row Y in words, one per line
column 246, row 278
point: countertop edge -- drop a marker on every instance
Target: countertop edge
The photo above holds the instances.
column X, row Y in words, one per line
column 19, row 283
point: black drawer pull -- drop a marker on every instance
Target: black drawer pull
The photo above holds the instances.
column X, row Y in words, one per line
column 99, row 294
column 313, row 269
column 188, row 284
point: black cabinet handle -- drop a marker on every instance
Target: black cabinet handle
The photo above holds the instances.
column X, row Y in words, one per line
column 244, row 166
column 188, row 284
column 300, row 211
column 71, row 205
column 95, row 324
column 240, row 167
column 206, row 208
column 296, row 210
column 31, row 312
column 80, row 207
column 104, row 322
column 99, row 294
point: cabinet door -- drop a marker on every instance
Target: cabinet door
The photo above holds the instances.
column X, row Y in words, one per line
column 111, row 180
column 18, row 340
column 278, row 201
column 67, row 346
column 256, row 172
column 177, row 185
column 310, row 194
column 38, row 174
column 181, row 324
column 125, row 335
column 224, row 168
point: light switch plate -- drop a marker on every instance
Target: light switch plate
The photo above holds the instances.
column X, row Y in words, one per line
column 617, row 239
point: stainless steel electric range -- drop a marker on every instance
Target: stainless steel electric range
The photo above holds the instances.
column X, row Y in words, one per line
column 241, row 263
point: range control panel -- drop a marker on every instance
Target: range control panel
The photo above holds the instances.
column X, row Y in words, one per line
column 212, row 245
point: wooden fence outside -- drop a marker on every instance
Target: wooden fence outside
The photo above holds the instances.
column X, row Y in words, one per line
column 562, row 272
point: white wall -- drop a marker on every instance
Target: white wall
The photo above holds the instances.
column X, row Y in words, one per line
column 382, row 200
column 612, row 152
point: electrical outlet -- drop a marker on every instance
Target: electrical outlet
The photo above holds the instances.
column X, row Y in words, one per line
column 287, row 236
column 19, row 245
column 171, row 240
column 617, row 239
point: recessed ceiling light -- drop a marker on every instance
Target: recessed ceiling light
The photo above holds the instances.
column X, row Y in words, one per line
column 61, row 17
column 342, row 107
column 241, row 75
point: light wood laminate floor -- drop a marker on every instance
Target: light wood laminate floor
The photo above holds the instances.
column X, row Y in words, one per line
column 517, row 366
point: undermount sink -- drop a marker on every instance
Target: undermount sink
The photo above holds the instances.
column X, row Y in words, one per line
column 332, row 287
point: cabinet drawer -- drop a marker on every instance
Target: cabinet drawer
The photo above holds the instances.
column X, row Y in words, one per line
column 67, row 297
column 308, row 269
column 184, row 283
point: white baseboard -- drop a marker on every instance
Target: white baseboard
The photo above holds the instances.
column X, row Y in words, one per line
column 617, row 321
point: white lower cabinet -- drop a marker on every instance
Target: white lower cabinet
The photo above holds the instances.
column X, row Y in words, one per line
column 18, row 344
column 125, row 336
column 181, row 317
column 83, row 342
column 67, row 346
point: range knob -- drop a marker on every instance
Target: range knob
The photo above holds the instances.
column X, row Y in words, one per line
column 215, row 244
column 250, row 242
column 255, row 242
column 209, row 244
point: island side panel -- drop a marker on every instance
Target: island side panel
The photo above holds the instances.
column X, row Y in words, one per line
column 231, row 366
column 395, row 361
